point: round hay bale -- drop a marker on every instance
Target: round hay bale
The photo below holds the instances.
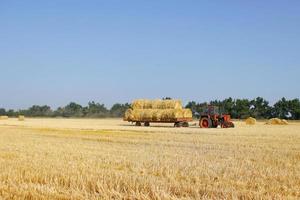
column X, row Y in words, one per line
column 147, row 104
column 146, row 114
column 171, row 104
column 176, row 113
column 156, row 104
column 128, row 116
column 156, row 115
column 137, row 104
column 276, row 121
column 187, row 113
column 137, row 114
column 21, row 118
column 250, row 121
column 3, row 117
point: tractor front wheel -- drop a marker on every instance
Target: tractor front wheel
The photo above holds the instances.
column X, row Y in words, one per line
column 227, row 125
column 205, row 122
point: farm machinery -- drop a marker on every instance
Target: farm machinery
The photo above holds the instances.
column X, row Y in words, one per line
column 212, row 118
column 171, row 111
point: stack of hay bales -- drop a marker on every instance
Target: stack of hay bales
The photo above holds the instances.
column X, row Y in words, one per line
column 276, row 121
column 21, row 117
column 156, row 110
column 3, row 117
column 250, row 121
column 156, row 104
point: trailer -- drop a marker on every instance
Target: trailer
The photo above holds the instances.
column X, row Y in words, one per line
column 144, row 112
column 178, row 122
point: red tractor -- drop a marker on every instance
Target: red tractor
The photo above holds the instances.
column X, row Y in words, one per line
column 211, row 118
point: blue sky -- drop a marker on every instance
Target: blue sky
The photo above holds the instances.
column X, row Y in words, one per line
column 54, row 52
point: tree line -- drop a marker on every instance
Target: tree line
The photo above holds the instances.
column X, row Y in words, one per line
column 92, row 110
column 237, row 108
column 258, row 108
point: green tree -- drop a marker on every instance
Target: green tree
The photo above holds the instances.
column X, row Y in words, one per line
column 241, row 109
column 294, row 109
column 281, row 109
column 192, row 105
column 39, row 111
column 259, row 108
column 96, row 110
column 228, row 106
column 11, row 113
column 118, row 110
column 2, row 111
column 73, row 110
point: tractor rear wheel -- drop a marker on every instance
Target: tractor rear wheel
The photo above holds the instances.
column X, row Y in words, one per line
column 205, row 122
column 147, row 124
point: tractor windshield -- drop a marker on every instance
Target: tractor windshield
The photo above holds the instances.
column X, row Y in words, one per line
column 212, row 110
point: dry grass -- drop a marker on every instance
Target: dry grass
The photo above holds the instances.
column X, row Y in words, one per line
column 3, row 117
column 106, row 159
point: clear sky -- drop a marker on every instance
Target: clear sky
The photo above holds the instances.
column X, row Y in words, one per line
column 54, row 52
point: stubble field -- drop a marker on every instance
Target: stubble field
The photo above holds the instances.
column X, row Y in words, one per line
column 110, row 159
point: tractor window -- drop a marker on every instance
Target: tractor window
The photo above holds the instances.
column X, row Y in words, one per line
column 212, row 110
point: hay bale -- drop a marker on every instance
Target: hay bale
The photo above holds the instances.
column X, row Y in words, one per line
column 168, row 104
column 156, row 104
column 146, row 114
column 3, row 117
column 137, row 104
column 276, row 121
column 21, row 118
column 250, row 121
column 187, row 113
column 128, row 116
column 156, row 114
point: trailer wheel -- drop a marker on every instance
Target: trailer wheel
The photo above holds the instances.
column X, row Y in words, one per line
column 177, row 124
column 205, row 122
column 185, row 124
column 147, row 124
column 138, row 123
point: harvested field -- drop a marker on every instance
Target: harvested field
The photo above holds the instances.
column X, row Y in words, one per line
column 109, row 159
column 3, row 117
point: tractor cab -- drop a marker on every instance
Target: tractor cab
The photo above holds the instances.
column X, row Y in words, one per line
column 212, row 110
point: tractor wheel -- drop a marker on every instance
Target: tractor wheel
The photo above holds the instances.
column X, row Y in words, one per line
column 138, row 123
column 227, row 125
column 147, row 124
column 205, row 122
column 231, row 125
